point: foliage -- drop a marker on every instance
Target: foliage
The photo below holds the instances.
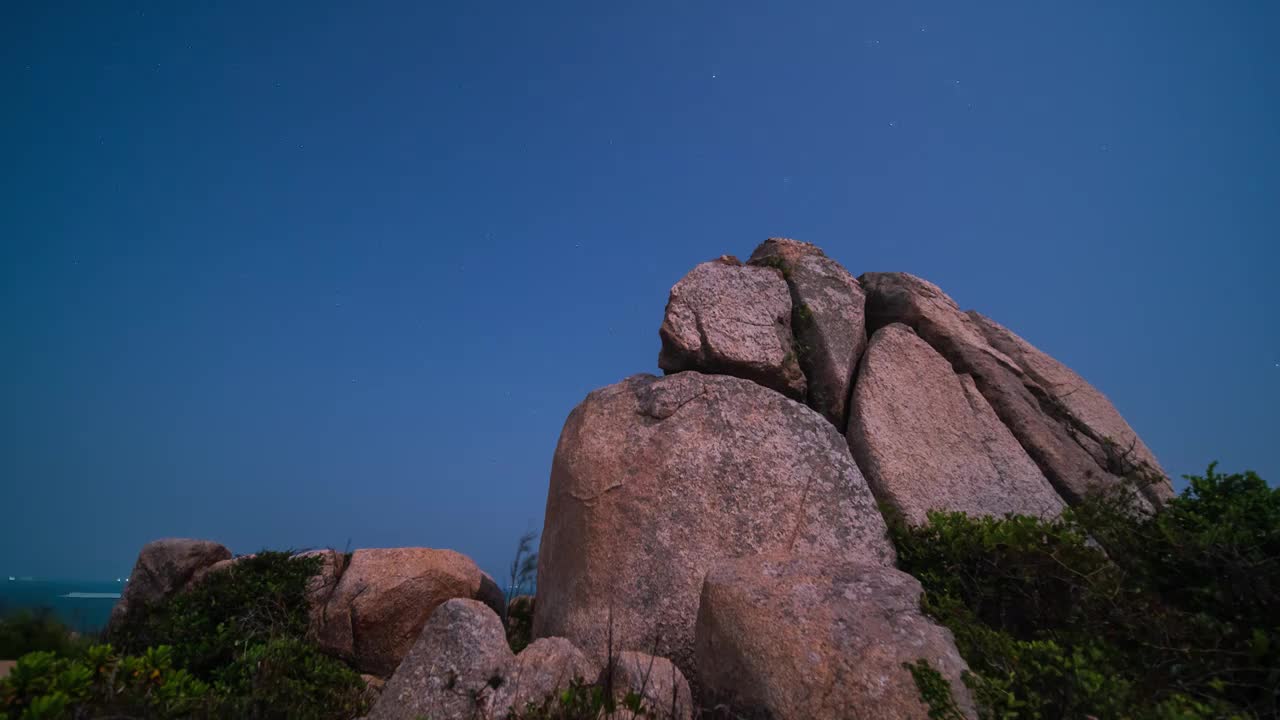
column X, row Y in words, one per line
column 583, row 701
column 235, row 645
column 935, row 690
column 26, row 631
column 1113, row 610
column 520, row 622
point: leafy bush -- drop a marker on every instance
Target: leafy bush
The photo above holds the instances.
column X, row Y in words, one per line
column 26, row 631
column 1112, row 611
column 234, row 646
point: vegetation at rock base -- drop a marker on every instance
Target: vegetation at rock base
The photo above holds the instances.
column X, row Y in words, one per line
column 1110, row 612
column 27, row 631
column 234, row 646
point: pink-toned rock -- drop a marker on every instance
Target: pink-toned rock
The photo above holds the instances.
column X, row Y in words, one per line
column 165, row 567
column 1092, row 413
column 539, row 674
column 453, row 670
column 655, row 479
column 928, row 440
column 727, row 318
column 803, row 637
column 662, row 688
column 385, row 596
column 217, row 567
column 1049, row 436
column 321, row 586
column 826, row 318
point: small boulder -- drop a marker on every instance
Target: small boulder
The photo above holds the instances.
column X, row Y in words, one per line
column 539, row 674
column 165, row 567
column 797, row 638
column 663, row 690
column 655, row 479
column 452, row 671
column 727, row 318
column 927, row 439
column 827, row 320
column 385, row 596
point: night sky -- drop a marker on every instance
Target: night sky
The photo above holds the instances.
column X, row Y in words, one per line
column 293, row 275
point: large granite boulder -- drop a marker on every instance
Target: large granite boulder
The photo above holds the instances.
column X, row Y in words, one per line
column 803, row 637
column 321, row 586
column 540, row 672
column 826, row 319
column 663, row 690
column 927, row 440
column 1113, row 441
column 655, row 479
column 385, row 596
column 453, row 670
column 165, row 567
column 1059, row 444
column 732, row 319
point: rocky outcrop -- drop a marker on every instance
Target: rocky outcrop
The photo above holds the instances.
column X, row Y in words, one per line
column 654, row 480
column 662, row 688
column 826, row 318
column 1056, row 441
column 165, row 567
column 540, row 672
column 927, row 440
column 1103, row 431
column 321, row 586
column 452, row 671
column 385, row 596
column 795, row 638
column 732, row 319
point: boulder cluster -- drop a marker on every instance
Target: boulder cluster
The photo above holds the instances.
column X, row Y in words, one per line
column 716, row 536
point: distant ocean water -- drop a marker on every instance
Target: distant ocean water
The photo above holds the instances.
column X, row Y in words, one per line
column 84, row 605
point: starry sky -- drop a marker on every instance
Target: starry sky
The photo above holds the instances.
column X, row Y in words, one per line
column 303, row 274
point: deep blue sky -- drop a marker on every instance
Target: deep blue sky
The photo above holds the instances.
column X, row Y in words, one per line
column 288, row 275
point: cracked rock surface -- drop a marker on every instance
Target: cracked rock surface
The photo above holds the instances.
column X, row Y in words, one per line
column 732, row 319
column 654, row 479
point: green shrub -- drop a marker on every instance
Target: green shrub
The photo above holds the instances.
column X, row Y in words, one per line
column 235, row 646
column 1112, row 611
column 26, row 631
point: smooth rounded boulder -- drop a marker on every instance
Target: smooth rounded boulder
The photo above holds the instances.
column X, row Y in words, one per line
column 732, row 319
column 540, row 672
column 791, row 637
column 165, row 567
column 928, row 440
column 655, row 479
column 827, row 320
column 453, row 670
column 384, row 597
column 661, row 688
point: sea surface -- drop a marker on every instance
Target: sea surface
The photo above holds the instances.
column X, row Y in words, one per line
column 84, row 605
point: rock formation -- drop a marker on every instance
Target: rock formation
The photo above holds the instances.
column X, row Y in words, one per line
column 1063, row 446
column 792, row 638
column 654, row 480
column 826, row 319
column 163, row 568
column 733, row 319
column 927, row 440
column 385, row 596
column 662, row 688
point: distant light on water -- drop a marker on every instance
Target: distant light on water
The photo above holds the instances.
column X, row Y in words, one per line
column 91, row 595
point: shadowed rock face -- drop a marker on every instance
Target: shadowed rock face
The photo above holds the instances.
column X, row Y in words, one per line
column 731, row 319
column 385, row 596
column 655, row 479
column 927, row 440
column 1090, row 410
column 165, row 567
column 1056, row 443
column 795, row 638
column 827, row 321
